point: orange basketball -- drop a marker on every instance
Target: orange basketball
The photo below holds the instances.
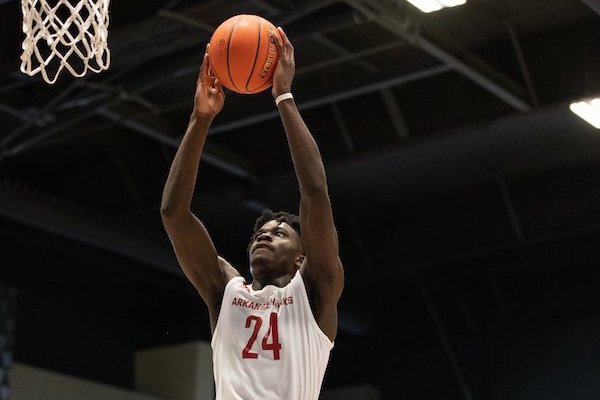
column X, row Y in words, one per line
column 242, row 53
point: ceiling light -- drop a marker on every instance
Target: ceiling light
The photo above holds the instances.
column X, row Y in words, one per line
column 435, row 5
column 588, row 110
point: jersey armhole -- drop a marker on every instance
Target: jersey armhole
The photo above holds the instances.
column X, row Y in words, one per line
column 227, row 288
column 312, row 315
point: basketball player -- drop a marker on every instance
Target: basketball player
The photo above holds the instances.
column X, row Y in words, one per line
column 272, row 337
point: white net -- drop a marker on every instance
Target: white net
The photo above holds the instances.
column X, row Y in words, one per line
column 59, row 34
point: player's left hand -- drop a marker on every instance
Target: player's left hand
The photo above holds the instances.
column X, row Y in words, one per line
column 286, row 65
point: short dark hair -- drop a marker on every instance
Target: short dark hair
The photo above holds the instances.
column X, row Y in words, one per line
column 280, row 216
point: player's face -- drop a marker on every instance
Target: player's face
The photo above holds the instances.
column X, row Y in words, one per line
column 274, row 249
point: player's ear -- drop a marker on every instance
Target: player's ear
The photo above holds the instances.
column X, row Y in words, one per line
column 299, row 259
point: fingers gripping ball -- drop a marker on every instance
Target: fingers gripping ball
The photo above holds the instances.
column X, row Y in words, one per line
column 242, row 53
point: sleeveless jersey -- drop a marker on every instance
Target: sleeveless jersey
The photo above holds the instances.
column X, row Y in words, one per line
column 267, row 344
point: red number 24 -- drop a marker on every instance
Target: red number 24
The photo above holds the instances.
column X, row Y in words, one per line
column 269, row 342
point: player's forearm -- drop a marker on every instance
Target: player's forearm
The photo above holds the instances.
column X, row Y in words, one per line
column 179, row 187
column 306, row 157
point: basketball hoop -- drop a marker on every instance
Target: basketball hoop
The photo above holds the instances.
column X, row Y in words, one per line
column 59, row 34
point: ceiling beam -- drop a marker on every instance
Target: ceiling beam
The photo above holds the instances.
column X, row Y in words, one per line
column 594, row 5
column 333, row 97
column 467, row 64
column 161, row 137
column 456, row 158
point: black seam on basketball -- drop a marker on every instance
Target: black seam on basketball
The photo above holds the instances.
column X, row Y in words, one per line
column 228, row 50
column 255, row 56
column 263, row 87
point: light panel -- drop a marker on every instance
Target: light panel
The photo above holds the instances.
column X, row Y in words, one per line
column 588, row 110
column 428, row 6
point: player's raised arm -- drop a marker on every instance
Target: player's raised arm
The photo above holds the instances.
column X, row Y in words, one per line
column 193, row 246
column 322, row 268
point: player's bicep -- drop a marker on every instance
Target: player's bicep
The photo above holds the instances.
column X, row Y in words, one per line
column 197, row 256
column 320, row 240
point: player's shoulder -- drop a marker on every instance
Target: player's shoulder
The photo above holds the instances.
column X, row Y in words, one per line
column 228, row 271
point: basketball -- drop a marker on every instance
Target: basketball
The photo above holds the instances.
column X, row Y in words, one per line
column 242, row 53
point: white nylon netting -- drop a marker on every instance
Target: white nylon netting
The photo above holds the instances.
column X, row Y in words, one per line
column 59, row 34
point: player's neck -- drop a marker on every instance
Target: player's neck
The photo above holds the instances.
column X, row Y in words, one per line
column 280, row 281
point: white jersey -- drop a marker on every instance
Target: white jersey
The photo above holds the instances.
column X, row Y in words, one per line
column 267, row 344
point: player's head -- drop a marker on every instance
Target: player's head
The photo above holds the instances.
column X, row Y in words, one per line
column 280, row 216
column 275, row 248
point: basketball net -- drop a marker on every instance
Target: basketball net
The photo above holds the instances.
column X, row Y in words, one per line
column 59, row 34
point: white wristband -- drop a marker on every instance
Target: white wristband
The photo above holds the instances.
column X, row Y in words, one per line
column 282, row 97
